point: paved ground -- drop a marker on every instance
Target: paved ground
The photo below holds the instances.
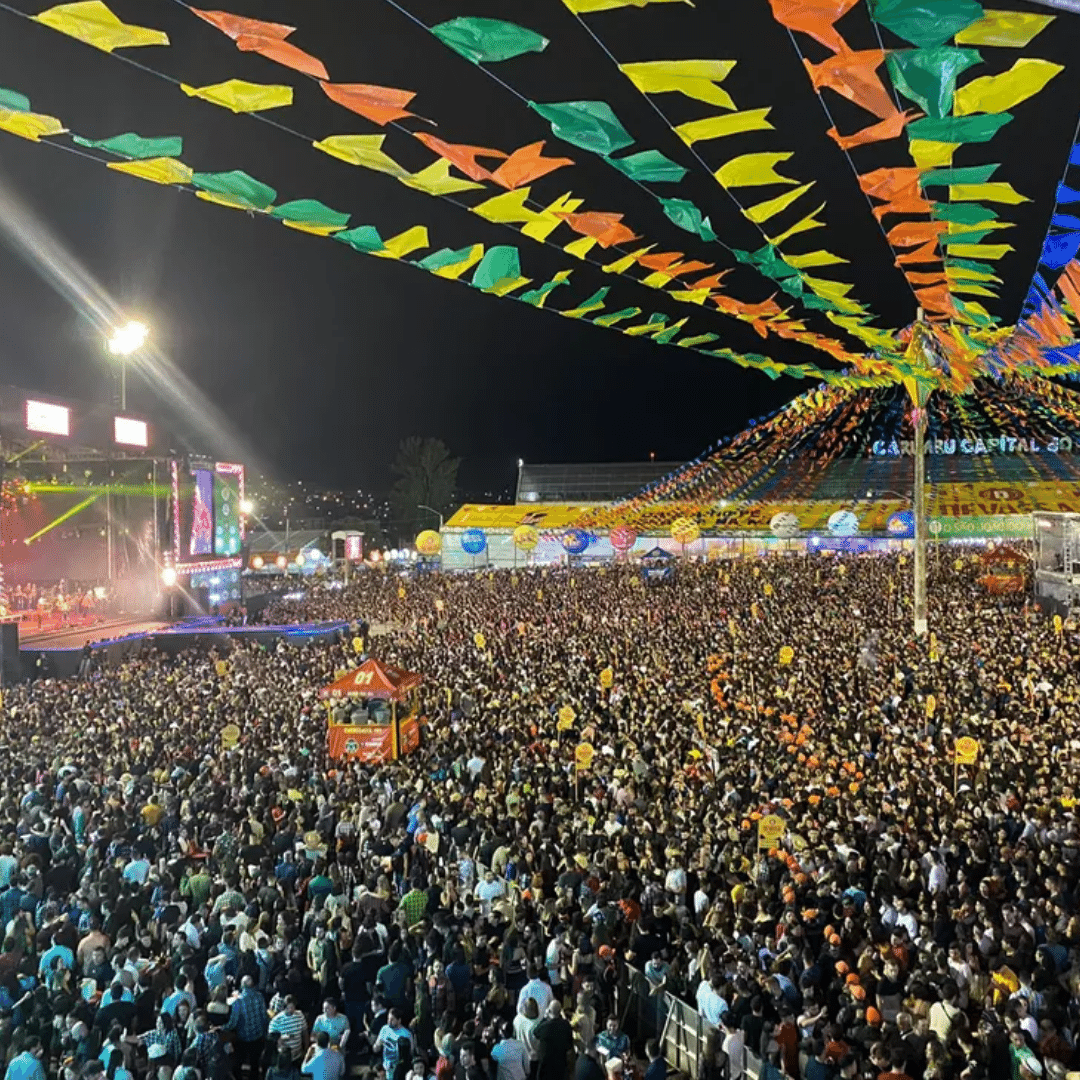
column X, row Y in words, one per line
column 75, row 638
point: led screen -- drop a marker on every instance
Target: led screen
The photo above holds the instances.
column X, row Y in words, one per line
column 226, row 514
column 202, row 513
column 129, row 432
column 47, row 418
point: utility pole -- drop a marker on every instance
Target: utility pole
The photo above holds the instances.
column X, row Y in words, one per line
column 921, row 532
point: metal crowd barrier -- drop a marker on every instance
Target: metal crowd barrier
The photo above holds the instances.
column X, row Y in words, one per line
column 683, row 1033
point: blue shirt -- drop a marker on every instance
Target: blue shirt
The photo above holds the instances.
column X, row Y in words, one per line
column 25, row 1067
column 138, row 870
column 65, row 954
column 249, row 1018
column 326, row 1064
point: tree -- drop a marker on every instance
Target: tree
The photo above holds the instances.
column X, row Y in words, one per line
column 426, row 475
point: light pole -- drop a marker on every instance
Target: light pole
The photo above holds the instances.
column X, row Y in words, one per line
column 432, row 510
column 124, row 341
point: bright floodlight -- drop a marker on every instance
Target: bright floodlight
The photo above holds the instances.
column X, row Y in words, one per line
column 246, row 506
column 125, row 340
column 168, row 577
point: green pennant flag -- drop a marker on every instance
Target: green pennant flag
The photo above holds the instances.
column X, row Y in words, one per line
column 979, row 128
column 310, row 212
column 364, row 238
column 134, row 146
column 971, row 264
column 687, row 216
column 649, row 167
column 487, row 41
column 441, row 258
column 592, row 125
column 925, row 22
column 499, row 264
column 237, row 186
column 970, row 174
column 13, row 101
column 962, row 213
column 928, row 76
column 537, row 297
column 617, row 316
column 970, row 237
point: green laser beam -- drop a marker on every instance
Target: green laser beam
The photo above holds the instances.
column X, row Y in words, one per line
column 64, row 517
column 98, row 489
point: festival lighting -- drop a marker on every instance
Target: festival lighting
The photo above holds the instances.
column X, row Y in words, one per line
column 282, row 562
column 247, row 506
column 78, row 508
column 128, row 339
column 299, row 558
column 258, row 562
column 168, row 577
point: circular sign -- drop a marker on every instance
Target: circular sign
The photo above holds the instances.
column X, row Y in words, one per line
column 935, row 527
column 526, row 537
column 685, row 530
column 479, row 640
column 575, row 541
column 843, row 523
column 566, row 718
column 429, row 542
column 901, row 524
column 473, row 541
column 787, row 654
column 230, row 735
column 358, row 644
column 784, row 525
column 583, row 754
column 607, row 677
column 967, row 747
column 622, row 537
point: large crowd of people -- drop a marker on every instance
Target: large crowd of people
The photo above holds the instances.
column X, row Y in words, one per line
column 177, row 905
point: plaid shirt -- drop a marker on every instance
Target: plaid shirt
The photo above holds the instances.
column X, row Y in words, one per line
column 248, row 1018
column 414, row 904
column 169, row 1039
column 204, row 1044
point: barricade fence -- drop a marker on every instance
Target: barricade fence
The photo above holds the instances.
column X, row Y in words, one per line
column 687, row 1040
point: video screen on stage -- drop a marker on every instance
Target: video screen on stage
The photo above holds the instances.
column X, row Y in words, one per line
column 127, row 431
column 207, row 521
column 46, row 418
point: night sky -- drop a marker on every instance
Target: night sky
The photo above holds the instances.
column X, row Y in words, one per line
column 323, row 359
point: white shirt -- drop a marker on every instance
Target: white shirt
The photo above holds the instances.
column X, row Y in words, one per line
column 539, row 991
column 734, row 1047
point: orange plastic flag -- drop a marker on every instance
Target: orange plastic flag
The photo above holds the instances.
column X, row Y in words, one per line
column 817, row 18
column 265, row 38
column 912, row 233
column 936, row 298
column 854, row 76
column 927, row 253
column 915, row 278
column 710, row 282
column 525, row 165
column 691, row 266
column 905, row 204
column 605, row 228
column 662, row 260
column 1069, row 287
column 379, row 104
column 885, row 129
column 889, row 184
column 460, row 156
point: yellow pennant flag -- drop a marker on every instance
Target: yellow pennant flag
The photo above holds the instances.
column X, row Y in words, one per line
column 716, row 127
column 963, row 273
column 812, row 259
column 363, row 150
column 931, row 155
column 397, row 247
column 771, row 207
column 968, row 288
column 580, row 248
column 804, row 225
column 503, row 288
column 994, row 191
column 753, row 170
column 695, row 79
column 587, row 7
column 436, row 180
column 241, row 96
column 161, row 170
column 997, row 93
column 95, row 24
column 312, row 228
column 28, row 125
column 980, row 251
column 1007, row 29
column 620, row 266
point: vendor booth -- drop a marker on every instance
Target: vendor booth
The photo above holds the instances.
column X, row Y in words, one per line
column 1005, row 570
column 373, row 713
column 657, row 566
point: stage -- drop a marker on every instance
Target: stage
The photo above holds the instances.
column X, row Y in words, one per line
column 118, row 638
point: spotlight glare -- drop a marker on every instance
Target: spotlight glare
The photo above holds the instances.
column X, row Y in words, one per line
column 168, row 577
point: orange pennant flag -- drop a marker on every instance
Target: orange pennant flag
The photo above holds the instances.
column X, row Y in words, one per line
column 890, row 184
column 906, row 204
column 1069, row 287
column 753, row 311
column 265, row 38
column 525, row 165
column 816, row 18
column 912, row 233
column 461, row 157
column 936, row 298
column 892, row 128
column 691, row 266
column 854, row 76
column 927, row 253
column 937, row 278
column 605, row 228
column 662, row 260
column 379, row 104
column 710, row 282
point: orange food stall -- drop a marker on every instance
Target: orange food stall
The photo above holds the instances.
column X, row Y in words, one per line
column 389, row 698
